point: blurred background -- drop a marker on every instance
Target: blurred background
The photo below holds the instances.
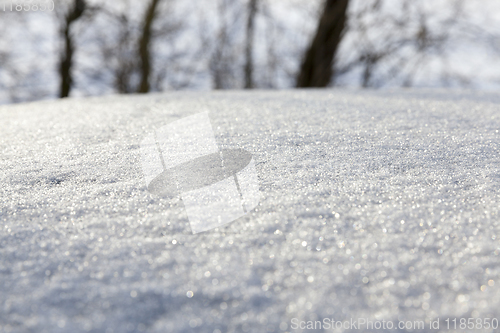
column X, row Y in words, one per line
column 88, row 47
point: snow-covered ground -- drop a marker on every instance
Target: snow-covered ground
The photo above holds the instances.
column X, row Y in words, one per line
column 381, row 205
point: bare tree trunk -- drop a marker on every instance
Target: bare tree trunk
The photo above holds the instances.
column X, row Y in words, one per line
column 218, row 61
column 66, row 61
column 126, row 66
column 252, row 10
column 317, row 67
column 144, row 52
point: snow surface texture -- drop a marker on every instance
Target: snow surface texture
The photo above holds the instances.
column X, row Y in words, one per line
column 383, row 205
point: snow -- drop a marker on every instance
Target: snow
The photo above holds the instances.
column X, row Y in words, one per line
column 375, row 204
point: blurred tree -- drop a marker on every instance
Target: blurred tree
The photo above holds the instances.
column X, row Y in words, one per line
column 317, row 67
column 389, row 42
column 127, row 47
column 66, row 58
column 252, row 10
column 126, row 67
column 223, row 63
column 144, row 45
